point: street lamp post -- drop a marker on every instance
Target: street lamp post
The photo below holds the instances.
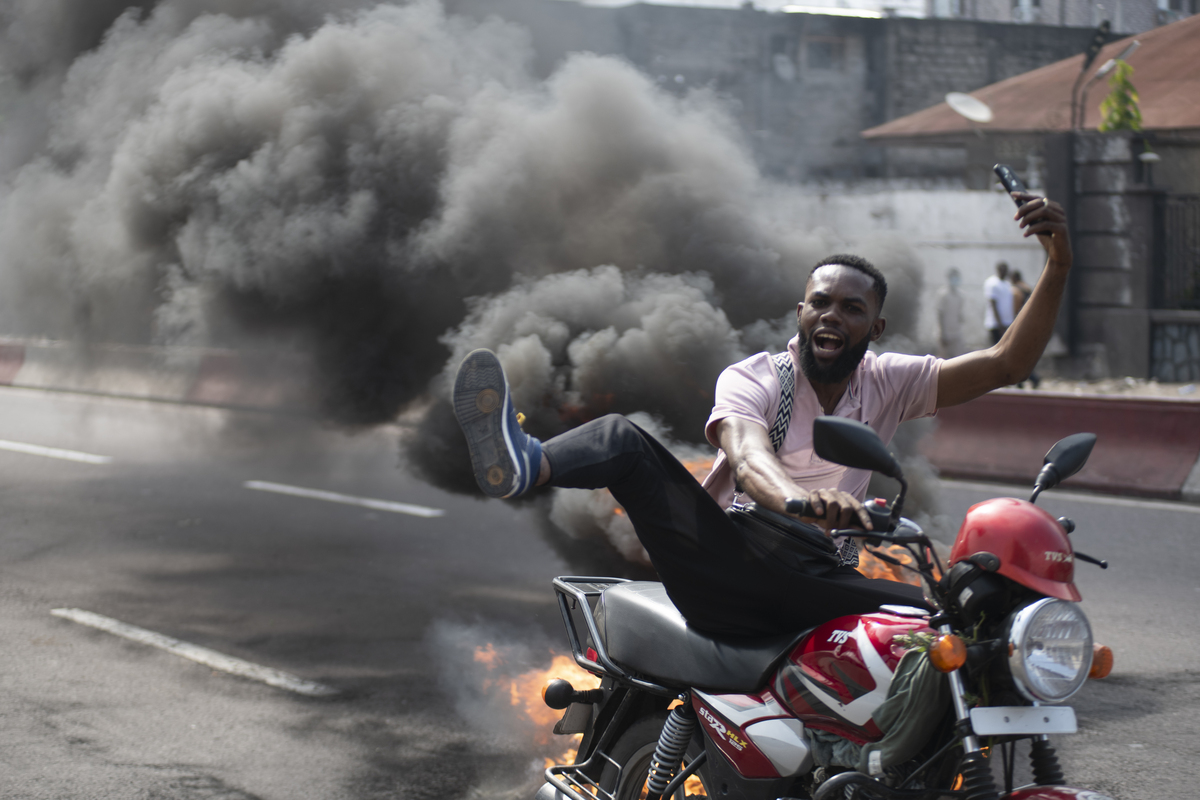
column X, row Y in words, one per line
column 1105, row 68
column 1099, row 39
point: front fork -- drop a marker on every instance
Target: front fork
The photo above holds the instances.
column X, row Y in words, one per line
column 978, row 782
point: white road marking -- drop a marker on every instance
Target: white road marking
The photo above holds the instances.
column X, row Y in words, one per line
column 350, row 500
column 53, row 452
column 201, row 655
column 1022, row 492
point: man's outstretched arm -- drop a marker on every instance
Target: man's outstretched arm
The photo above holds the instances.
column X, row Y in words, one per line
column 762, row 476
column 1014, row 357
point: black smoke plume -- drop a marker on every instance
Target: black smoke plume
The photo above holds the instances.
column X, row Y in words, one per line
column 383, row 187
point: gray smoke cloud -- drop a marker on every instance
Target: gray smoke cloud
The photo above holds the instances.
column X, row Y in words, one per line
column 384, row 187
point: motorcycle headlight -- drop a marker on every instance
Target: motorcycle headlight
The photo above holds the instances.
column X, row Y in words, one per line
column 1050, row 650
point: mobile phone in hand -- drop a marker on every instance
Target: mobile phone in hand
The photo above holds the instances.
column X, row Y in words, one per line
column 1010, row 180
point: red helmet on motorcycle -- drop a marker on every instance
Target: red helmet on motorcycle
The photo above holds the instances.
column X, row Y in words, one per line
column 1032, row 546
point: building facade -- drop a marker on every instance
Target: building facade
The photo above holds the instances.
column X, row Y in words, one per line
column 802, row 86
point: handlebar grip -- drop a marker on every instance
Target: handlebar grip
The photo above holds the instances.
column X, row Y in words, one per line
column 881, row 516
column 801, row 508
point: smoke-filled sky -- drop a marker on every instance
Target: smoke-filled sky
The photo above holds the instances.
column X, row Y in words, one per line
column 385, row 187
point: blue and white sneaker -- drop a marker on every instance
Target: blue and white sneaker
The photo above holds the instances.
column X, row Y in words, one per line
column 506, row 460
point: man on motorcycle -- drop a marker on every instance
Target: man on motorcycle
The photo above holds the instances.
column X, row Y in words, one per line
column 714, row 579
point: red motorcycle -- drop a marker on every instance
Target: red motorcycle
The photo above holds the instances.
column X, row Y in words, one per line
column 893, row 705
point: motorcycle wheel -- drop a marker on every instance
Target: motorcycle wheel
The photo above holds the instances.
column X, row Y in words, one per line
column 634, row 750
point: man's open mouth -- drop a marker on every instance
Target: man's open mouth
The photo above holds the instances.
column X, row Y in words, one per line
column 827, row 343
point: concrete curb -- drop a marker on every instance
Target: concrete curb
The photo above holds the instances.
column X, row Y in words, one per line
column 227, row 378
column 1145, row 446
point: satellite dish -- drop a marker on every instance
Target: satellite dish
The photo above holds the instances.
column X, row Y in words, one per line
column 970, row 107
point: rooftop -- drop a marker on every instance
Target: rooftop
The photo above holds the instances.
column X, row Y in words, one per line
column 1166, row 74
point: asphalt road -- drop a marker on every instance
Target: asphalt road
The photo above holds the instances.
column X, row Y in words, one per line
column 401, row 615
column 1138, row 728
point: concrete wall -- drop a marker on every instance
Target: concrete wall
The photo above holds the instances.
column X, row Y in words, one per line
column 1000, row 436
column 1126, row 16
column 202, row 376
column 1144, row 446
column 970, row 230
column 1179, row 170
column 802, row 86
column 1114, row 245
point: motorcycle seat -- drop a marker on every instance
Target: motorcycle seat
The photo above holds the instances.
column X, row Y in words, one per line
column 645, row 633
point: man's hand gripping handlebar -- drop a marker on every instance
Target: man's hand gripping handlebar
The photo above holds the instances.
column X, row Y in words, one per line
column 839, row 510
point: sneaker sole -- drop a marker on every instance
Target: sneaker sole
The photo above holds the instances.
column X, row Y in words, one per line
column 481, row 405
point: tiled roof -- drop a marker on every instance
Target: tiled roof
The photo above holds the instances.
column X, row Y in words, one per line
column 1166, row 74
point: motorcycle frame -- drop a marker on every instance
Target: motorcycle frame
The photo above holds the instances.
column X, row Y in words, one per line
column 578, row 598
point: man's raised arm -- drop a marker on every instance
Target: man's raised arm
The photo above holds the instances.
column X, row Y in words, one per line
column 1014, row 357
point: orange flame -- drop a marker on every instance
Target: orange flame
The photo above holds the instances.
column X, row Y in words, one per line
column 524, row 691
column 487, row 655
column 873, row 567
column 699, row 467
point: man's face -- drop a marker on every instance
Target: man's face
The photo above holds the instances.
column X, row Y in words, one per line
column 837, row 320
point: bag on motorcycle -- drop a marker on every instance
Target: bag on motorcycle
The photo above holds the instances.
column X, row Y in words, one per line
column 797, row 545
column 917, row 702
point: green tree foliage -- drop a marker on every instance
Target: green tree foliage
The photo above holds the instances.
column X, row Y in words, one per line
column 1119, row 111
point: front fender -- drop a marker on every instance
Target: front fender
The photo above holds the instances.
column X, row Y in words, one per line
column 1056, row 793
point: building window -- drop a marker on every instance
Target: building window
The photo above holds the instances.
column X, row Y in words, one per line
column 825, row 53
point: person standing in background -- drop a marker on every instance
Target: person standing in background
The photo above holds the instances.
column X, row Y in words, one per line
column 1020, row 293
column 950, row 316
column 998, row 303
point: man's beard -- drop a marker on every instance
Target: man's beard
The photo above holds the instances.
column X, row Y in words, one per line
column 841, row 368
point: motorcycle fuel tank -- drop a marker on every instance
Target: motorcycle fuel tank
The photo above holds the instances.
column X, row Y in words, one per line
column 840, row 673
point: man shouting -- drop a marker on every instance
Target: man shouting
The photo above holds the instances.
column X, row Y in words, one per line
column 719, row 583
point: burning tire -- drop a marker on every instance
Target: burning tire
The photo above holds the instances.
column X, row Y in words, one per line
column 634, row 750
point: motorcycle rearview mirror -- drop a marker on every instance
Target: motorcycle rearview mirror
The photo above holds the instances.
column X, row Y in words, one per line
column 853, row 444
column 1064, row 459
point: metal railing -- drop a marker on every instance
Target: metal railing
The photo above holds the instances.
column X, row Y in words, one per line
column 1178, row 273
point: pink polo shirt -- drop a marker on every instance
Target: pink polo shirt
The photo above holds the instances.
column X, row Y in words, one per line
column 884, row 391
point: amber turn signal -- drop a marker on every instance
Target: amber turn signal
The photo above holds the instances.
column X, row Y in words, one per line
column 1102, row 661
column 947, row 653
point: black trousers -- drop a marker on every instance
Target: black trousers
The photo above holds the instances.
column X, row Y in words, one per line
column 713, row 578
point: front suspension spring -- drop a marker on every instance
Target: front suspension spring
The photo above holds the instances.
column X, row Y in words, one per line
column 1044, row 759
column 978, row 783
column 670, row 750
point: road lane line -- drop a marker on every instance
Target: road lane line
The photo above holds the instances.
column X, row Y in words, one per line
column 53, row 452
column 350, row 500
column 201, row 655
column 1022, row 492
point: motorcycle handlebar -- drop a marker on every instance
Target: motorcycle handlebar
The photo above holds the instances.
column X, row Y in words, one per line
column 881, row 536
column 801, row 508
column 879, row 513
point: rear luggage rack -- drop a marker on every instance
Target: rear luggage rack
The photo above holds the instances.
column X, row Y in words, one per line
column 573, row 781
column 581, row 781
column 578, row 598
